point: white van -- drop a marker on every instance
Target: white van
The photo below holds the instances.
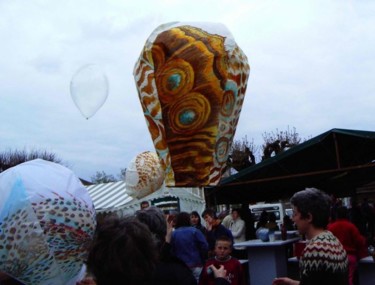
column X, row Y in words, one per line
column 279, row 209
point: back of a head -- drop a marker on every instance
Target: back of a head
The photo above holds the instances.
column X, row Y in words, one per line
column 315, row 202
column 263, row 218
column 123, row 249
column 272, row 217
column 182, row 220
column 154, row 218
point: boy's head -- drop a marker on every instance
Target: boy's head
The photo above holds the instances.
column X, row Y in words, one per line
column 223, row 248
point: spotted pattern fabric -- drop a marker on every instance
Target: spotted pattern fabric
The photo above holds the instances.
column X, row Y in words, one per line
column 46, row 238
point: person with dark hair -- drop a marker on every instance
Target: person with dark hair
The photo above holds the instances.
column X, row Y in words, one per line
column 195, row 221
column 288, row 223
column 350, row 237
column 144, row 205
column 263, row 220
column 214, row 230
column 248, row 218
column 356, row 217
column 271, row 224
column 311, row 212
column 238, row 228
column 223, row 249
column 123, row 249
column 189, row 244
column 169, row 269
column 154, row 218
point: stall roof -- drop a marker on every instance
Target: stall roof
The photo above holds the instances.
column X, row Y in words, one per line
column 337, row 161
column 112, row 196
column 109, row 195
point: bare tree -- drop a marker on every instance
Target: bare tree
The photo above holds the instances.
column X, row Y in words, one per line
column 242, row 154
column 12, row 158
column 276, row 142
column 102, row 177
column 122, row 174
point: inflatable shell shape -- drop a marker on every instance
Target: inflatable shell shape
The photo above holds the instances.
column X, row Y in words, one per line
column 144, row 175
column 191, row 82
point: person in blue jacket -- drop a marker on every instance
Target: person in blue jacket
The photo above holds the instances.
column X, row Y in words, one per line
column 189, row 244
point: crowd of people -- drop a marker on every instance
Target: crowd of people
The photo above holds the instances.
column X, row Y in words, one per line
column 152, row 247
column 189, row 252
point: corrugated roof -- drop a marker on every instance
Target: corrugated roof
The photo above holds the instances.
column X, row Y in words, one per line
column 109, row 195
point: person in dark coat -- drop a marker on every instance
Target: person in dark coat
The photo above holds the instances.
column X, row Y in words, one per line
column 214, row 230
column 169, row 269
column 249, row 222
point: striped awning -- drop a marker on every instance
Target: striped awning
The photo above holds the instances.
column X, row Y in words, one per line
column 109, row 195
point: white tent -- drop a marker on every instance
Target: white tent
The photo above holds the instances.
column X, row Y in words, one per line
column 112, row 197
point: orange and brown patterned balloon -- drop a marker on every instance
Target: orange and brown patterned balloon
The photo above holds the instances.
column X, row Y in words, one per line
column 191, row 81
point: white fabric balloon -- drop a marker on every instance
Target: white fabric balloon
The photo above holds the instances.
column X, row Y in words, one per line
column 89, row 89
column 144, row 175
column 47, row 221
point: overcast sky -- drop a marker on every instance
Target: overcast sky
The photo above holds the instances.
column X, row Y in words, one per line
column 312, row 67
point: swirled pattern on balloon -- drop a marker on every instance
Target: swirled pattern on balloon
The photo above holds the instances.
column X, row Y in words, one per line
column 189, row 115
column 191, row 82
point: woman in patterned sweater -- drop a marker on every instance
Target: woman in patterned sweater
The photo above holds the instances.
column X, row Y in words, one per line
column 324, row 260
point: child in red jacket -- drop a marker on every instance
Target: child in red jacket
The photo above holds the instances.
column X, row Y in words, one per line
column 223, row 249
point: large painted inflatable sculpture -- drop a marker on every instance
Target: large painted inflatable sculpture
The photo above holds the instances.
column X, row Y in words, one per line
column 47, row 222
column 191, row 81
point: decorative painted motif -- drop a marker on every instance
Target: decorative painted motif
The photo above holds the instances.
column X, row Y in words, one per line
column 191, row 83
column 47, row 222
column 144, row 175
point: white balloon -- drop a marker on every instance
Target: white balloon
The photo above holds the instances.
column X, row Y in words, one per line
column 89, row 89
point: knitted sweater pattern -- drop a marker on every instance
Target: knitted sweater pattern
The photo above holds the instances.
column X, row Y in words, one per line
column 325, row 256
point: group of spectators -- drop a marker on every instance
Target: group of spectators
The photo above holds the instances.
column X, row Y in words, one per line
column 188, row 252
column 360, row 213
column 153, row 248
